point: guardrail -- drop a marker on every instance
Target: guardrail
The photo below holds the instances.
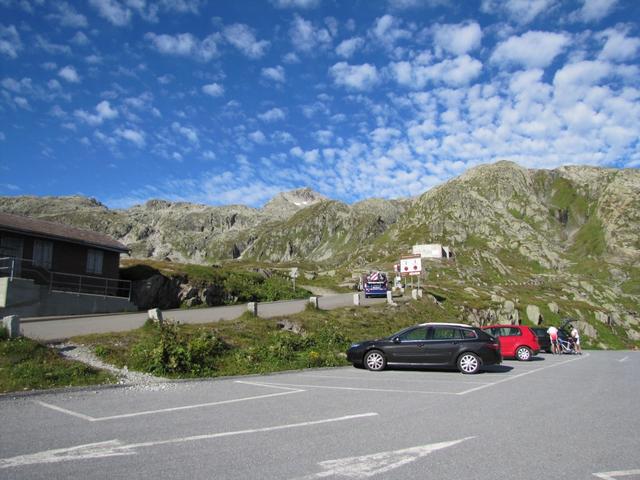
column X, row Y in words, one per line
column 64, row 282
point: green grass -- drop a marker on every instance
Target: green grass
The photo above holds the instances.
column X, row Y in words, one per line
column 589, row 241
column 29, row 365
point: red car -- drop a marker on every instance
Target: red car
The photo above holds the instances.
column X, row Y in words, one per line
column 516, row 341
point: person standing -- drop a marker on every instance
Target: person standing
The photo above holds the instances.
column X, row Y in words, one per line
column 553, row 336
column 576, row 340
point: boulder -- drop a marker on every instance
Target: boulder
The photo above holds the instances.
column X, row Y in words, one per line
column 508, row 306
column 586, row 329
column 633, row 335
column 553, row 307
column 603, row 318
column 533, row 314
column 156, row 291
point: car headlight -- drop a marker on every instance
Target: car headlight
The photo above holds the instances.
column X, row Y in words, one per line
column 354, row 345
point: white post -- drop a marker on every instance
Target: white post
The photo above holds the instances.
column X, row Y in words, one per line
column 155, row 314
column 253, row 308
column 414, row 294
column 314, row 301
column 356, row 299
column 12, row 324
column 390, row 298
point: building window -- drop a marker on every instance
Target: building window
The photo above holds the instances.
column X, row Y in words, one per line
column 94, row 261
column 42, row 253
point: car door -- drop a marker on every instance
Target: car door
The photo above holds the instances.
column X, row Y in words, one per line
column 509, row 340
column 443, row 342
column 408, row 347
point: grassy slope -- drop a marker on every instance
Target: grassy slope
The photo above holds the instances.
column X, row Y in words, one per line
column 28, row 365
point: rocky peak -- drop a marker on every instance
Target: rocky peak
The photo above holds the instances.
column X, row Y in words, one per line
column 286, row 204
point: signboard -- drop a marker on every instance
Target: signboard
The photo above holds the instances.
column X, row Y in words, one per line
column 411, row 265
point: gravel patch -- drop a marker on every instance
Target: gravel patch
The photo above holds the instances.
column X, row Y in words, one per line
column 133, row 380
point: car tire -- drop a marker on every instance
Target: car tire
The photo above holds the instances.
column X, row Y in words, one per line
column 469, row 363
column 524, row 354
column 375, row 361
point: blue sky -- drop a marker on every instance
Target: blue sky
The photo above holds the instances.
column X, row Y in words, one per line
column 220, row 102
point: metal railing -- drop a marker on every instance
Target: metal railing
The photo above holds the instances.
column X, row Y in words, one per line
column 64, row 282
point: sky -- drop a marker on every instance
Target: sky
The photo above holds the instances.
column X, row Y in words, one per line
column 231, row 102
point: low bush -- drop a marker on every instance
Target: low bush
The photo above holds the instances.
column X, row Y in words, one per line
column 168, row 350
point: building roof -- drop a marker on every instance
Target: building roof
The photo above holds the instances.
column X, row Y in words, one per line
column 59, row 231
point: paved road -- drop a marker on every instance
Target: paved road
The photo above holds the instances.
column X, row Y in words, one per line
column 60, row 328
column 569, row 417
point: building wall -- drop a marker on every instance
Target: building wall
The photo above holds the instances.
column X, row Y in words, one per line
column 69, row 257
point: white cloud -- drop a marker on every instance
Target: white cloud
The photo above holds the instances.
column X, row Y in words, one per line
column 618, row 46
column 185, row 45
column 10, row 43
column 274, row 73
column 387, row 30
column 295, row 3
column 50, row 47
column 80, row 39
column 272, row 115
column 519, row 11
column 257, row 137
column 113, row 11
column 459, row 71
column 243, row 38
column 384, row 134
column 213, row 89
column 458, row 38
column 69, row 74
column 533, row 49
column 348, row 47
column 305, row 37
column 357, row 77
column 134, row 136
column 187, row 132
column 103, row 112
column 67, row 16
column 309, row 156
column 594, row 10
column 22, row 102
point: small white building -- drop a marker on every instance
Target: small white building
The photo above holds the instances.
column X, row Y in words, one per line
column 432, row 250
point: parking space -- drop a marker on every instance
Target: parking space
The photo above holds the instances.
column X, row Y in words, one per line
column 256, row 389
column 324, row 415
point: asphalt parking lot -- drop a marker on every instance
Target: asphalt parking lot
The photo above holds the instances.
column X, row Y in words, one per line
column 572, row 416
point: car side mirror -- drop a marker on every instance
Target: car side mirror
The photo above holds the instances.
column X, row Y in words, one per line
column 396, row 339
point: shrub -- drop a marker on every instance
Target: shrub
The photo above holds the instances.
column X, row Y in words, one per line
column 4, row 334
column 169, row 351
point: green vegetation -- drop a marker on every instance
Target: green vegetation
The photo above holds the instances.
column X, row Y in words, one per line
column 28, row 365
column 589, row 240
column 234, row 285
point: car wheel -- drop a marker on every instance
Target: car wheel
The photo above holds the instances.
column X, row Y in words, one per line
column 375, row 361
column 468, row 363
column 523, row 354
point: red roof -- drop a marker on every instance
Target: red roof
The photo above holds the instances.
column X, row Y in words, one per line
column 59, row 231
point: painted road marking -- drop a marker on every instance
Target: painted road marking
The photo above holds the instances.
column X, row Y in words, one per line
column 378, row 463
column 513, row 377
column 116, row 447
column 624, row 359
column 357, row 389
column 377, row 376
column 618, row 474
column 171, row 409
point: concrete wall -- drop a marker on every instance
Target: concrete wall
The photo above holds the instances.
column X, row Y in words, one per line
column 24, row 298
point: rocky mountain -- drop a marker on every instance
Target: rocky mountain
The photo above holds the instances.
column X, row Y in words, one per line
column 565, row 242
column 300, row 225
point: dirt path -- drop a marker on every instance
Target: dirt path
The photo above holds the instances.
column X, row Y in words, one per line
column 319, row 290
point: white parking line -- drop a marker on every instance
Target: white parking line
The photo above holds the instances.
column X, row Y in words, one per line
column 377, row 376
column 614, row 475
column 512, row 377
column 172, row 409
column 116, row 447
column 357, row 389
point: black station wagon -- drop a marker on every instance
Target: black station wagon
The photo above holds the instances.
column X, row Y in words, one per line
column 429, row 344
